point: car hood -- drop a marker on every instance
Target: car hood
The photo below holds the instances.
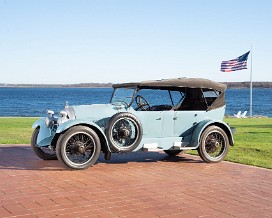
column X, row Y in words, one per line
column 98, row 113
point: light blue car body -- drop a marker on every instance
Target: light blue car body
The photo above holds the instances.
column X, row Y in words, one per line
column 167, row 130
column 160, row 115
column 170, row 115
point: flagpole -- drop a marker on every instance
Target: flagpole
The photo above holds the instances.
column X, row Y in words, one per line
column 251, row 84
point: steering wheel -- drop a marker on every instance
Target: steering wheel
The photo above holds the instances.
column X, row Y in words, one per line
column 142, row 103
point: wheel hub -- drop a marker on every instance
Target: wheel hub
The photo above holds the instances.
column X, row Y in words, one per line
column 213, row 146
column 81, row 149
column 125, row 132
column 78, row 147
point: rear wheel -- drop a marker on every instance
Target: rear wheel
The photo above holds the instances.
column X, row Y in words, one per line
column 172, row 152
column 214, row 144
column 44, row 153
column 78, row 148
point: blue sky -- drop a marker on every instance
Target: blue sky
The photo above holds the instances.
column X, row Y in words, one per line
column 77, row 41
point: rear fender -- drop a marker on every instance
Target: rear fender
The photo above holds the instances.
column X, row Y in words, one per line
column 204, row 124
column 99, row 131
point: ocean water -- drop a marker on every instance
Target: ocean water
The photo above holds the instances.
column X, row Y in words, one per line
column 33, row 102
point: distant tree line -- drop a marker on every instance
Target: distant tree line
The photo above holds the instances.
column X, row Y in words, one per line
column 247, row 84
column 109, row 85
column 79, row 85
column 89, row 85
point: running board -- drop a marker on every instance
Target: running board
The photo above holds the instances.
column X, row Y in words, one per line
column 182, row 146
column 152, row 147
column 176, row 146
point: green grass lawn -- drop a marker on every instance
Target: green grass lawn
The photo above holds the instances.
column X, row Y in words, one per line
column 253, row 141
column 16, row 130
column 253, row 138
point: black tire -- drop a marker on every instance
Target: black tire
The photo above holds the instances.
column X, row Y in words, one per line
column 124, row 132
column 43, row 153
column 78, row 148
column 214, row 145
column 172, row 152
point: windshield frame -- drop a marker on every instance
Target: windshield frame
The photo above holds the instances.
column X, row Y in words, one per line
column 132, row 90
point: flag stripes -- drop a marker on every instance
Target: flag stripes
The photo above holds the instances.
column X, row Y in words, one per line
column 239, row 63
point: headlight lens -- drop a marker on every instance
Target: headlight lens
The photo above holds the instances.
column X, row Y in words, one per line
column 67, row 114
column 63, row 114
column 63, row 117
column 49, row 119
column 50, row 113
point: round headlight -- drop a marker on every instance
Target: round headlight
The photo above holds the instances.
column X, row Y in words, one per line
column 63, row 114
column 63, row 117
column 50, row 112
column 49, row 121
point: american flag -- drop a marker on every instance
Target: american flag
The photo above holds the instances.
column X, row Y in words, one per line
column 239, row 63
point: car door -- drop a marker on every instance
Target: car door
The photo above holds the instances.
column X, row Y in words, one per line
column 152, row 123
column 157, row 121
column 185, row 116
column 167, row 123
column 184, row 122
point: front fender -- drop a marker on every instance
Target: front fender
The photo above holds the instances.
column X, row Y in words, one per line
column 45, row 135
column 63, row 127
column 38, row 123
column 204, row 124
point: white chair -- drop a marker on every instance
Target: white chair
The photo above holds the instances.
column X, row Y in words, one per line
column 243, row 115
column 238, row 115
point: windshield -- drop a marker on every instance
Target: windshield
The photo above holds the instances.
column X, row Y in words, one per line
column 123, row 95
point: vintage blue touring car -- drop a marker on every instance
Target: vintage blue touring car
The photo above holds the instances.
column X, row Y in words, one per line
column 170, row 115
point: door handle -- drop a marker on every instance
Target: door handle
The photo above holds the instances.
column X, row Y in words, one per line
column 158, row 118
column 175, row 118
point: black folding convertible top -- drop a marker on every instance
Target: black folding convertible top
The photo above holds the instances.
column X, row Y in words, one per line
column 172, row 83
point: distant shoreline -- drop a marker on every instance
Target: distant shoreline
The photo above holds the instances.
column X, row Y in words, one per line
column 238, row 85
column 79, row 85
column 241, row 85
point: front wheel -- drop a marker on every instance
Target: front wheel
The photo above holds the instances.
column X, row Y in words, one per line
column 78, row 148
column 42, row 152
column 214, row 145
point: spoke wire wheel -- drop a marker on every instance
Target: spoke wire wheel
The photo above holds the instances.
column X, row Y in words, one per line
column 214, row 144
column 48, row 151
column 124, row 132
column 78, row 148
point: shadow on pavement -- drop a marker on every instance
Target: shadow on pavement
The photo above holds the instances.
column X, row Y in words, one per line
column 146, row 157
column 22, row 157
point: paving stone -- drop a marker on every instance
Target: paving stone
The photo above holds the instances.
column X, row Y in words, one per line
column 131, row 185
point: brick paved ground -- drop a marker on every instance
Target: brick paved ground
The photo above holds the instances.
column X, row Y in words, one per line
column 131, row 185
